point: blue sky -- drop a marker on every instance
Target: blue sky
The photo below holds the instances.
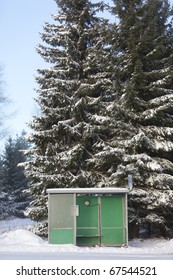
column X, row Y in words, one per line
column 20, row 24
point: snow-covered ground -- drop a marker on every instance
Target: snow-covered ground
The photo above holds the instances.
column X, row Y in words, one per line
column 17, row 242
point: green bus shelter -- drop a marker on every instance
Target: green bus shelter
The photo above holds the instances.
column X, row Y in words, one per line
column 88, row 216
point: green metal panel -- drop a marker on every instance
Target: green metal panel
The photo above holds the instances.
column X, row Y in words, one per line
column 62, row 236
column 88, row 211
column 87, row 241
column 112, row 211
column 113, row 237
column 87, row 231
column 112, row 220
column 87, row 220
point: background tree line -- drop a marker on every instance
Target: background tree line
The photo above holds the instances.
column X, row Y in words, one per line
column 13, row 182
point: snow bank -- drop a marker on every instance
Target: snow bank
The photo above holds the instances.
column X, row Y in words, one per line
column 22, row 240
column 17, row 242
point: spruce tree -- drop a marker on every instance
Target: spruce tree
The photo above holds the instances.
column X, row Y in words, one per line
column 144, row 112
column 1, row 174
column 13, row 181
column 73, row 96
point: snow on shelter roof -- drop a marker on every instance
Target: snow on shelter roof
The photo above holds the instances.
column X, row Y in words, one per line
column 88, row 190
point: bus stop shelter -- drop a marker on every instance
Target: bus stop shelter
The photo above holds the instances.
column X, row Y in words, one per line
column 88, row 216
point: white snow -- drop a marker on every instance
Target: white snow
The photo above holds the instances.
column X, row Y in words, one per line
column 22, row 243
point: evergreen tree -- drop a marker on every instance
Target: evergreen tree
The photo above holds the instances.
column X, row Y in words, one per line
column 143, row 112
column 1, row 173
column 3, row 194
column 13, row 181
column 73, row 96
